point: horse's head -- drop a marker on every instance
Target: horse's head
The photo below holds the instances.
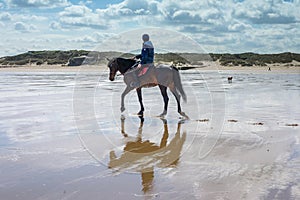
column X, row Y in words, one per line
column 113, row 68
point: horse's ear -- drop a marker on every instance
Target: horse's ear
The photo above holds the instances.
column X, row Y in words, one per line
column 107, row 59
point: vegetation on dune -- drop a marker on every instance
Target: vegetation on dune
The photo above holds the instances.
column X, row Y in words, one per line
column 42, row 57
column 250, row 59
column 78, row 57
column 171, row 57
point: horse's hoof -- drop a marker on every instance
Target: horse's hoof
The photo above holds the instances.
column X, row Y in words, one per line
column 162, row 115
column 184, row 115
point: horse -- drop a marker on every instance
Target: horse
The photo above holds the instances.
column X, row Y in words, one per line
column 162, row 76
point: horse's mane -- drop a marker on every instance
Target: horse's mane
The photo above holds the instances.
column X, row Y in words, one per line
column 123, row 59
column 124, row 64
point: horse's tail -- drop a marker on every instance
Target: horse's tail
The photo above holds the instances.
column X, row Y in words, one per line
column 177, row 83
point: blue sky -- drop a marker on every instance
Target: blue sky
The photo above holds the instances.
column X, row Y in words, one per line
column 263, row 26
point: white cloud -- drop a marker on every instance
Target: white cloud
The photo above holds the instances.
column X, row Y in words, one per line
column 81, row 16
column 179, row 15
column 92, row 38
column 27, row 17
column 32, row 27
column 37, row 3
column 54, row 26
column 76, row 11
column 100, row 36
column 20, row 26
column 5, row 16
column 238, row 26
column 129, row 8
column 86, row 2
column 23, row 27
column 186, row 17
column 266, row 12
column 21, row 22
column 84, row 39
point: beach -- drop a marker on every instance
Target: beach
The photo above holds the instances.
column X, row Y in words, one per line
column 62, row 135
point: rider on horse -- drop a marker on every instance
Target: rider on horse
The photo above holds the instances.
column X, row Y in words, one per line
column 146, row 57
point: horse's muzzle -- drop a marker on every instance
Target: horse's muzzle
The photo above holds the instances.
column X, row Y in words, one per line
column 111, row 78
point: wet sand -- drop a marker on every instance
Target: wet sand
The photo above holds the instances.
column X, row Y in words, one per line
column 62, row 136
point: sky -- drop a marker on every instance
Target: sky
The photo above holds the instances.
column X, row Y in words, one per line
column 231, row 26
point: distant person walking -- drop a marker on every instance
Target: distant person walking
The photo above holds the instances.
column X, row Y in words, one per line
column 146, row 57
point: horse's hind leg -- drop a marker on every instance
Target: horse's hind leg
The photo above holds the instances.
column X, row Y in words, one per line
column 177, row 97
column 164, row 93
column 139, row 93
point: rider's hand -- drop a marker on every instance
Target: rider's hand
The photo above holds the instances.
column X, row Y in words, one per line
column 139, row 66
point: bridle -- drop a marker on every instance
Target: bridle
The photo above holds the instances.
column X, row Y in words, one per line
column 113, row 70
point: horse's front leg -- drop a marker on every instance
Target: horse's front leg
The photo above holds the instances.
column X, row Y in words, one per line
column 125, row 92
column 139, row 93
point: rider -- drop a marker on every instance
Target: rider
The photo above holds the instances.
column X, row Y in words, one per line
column 146, row 57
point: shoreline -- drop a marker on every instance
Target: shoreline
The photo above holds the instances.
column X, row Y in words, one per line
column 275, row 68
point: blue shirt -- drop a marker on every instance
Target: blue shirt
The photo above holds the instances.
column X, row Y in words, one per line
column 147, row 53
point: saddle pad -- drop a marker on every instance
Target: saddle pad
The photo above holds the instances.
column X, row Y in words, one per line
column 143, row 71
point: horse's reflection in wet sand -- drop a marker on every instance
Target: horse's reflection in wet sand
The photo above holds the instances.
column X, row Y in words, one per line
column 142, row 156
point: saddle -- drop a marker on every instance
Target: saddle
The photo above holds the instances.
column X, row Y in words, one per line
column 144, row 69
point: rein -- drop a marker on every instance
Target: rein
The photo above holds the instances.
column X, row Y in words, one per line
column 130, row 68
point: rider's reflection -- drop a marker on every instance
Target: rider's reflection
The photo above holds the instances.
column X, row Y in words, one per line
column 142, row 156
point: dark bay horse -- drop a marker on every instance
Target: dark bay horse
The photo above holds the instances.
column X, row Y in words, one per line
column 162, row 75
